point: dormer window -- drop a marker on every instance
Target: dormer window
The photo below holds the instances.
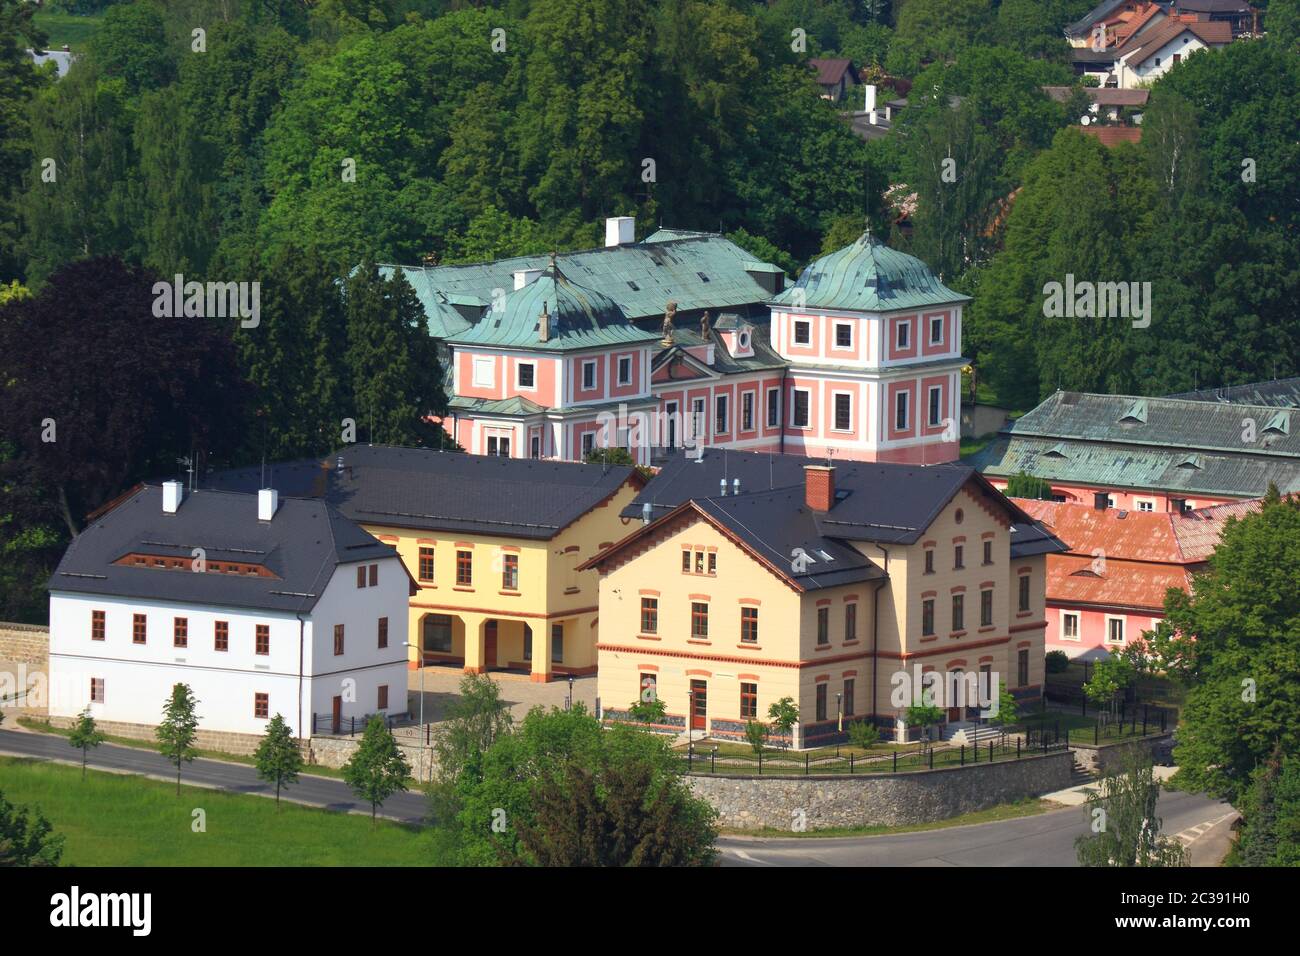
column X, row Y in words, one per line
column 743, row 338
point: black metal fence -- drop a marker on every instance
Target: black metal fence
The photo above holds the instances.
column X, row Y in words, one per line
column 786, row 763
column 327, row 725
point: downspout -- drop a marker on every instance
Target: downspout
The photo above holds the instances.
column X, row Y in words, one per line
column 301, row 629
column 875, row 632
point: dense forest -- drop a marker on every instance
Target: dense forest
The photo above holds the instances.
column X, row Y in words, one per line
column 298, row 142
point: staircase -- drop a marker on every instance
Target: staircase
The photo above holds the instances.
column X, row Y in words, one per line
column 970, row 734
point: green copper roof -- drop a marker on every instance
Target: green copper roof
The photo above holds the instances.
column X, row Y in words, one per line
column 868, row 276
column 577, row 318
column 697, row 270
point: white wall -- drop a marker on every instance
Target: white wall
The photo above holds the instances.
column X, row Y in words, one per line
column 139, row 678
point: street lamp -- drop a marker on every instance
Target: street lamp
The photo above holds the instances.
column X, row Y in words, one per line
column 568, row 704
column 690, row 715
column 420, row 738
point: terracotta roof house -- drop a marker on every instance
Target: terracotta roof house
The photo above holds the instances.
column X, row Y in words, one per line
column 1110, row 585
column 1240, row 16
column 1112, row 136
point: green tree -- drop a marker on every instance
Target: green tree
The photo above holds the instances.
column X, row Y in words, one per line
column 84, row 736
column 561, row 790
column 19, row 83
column 1124, row 827
column 930, row 30
column 473, row 722
column 924, row 716
column 863, row 734
column 1259, row 836
column 277, row 757
column 756, row 735
column 130, row 43
column 1235, row 641
column 27, row 838
column 178, row 729
column 1111, row 678
column 784, row 714
column 1027, row 486
column 376, row 770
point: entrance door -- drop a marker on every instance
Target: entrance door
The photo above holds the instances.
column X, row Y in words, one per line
column 490, row 645
column 699, row 704
column 955, row 714
column 670, row 412
column 337, row 722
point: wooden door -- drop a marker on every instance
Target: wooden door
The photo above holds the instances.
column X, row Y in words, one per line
column 699, row 705
column 337, row 721
column 490, row 645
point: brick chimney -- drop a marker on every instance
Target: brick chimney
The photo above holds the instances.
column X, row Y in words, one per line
column 819, row 486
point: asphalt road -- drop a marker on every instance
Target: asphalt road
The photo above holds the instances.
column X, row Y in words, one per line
column 1043, row 840
column 310, row 790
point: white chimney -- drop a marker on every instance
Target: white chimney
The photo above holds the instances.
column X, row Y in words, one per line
column 735, row 486
column 268, row 502
column 525, row 276
column 620, row 231
column 722, row 487
column 871, row 97
column 173, row 492
column 647, row 511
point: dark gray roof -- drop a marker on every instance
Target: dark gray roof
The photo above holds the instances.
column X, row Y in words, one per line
column 446, row 491
column 1279, row 393
column 1171, row 424
column 301, row 545
column 724, row 363
column 878, row 502
column 1080, row 27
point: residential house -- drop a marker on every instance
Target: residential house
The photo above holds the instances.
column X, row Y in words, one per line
column 1240, row 16
column 756, row 577
column 1152, row 51
column 492, row 544
column 1140, row 453
column 1110, row 586
column 263, row 605
column 1107, row 104
column 837, row 77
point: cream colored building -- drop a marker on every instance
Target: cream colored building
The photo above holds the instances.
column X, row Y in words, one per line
column 839, row 587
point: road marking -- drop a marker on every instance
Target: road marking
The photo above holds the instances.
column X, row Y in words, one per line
column 1192, row 834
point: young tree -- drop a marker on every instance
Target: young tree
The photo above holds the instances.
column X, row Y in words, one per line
column 277, row 756
column 179, row 729
column 924, row 716
column 377, row 769
column 783, row 714
column 756, row 735
column 84, row 736
column 863, row 734
column 1111, row 677
column 26, row 837
column 1124, row 828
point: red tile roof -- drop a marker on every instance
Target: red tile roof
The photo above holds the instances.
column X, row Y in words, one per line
column 829, row 72
column 1134, row 535
column 1199, row 531
column 1141, row 48
column 1074, row 579
column 1113, row 135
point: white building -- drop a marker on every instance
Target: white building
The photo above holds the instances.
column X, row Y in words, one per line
column 261, row 605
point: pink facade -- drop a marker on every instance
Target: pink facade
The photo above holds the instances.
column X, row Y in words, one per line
column 1161, row 502
column 1087, row 632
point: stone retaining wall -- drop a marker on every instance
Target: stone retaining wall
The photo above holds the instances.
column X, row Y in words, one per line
column 878, row 799
column 1098, row 760
column 24, row 643
column 335, row 751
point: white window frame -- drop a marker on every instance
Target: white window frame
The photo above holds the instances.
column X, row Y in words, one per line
column 622, row 379
column 835, row 336
column 930, row 406
column 1078, row 626
column 519, row 367
column 1122, row 627
column 582, row 378
column 835, row 396
column 906, row 396
column 747, row 410
column 587, row 443
column 722, row 423
column 899, row 329
column 794, row 332
column 933, row 320
column 794, row 407
column 1145, row 505
column 484, row 371
column 773, row 415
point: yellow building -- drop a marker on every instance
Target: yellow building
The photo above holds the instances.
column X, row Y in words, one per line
column 493, row 544
column 839, row 587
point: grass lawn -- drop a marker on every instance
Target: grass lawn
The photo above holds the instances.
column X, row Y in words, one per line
column 1028, row 807
column 66, row 28
column 727, row 748
column 125, row 820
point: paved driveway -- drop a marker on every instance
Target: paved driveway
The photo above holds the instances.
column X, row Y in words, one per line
column 442, row 686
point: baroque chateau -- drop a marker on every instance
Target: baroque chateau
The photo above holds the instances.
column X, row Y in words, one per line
column 683, row 340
